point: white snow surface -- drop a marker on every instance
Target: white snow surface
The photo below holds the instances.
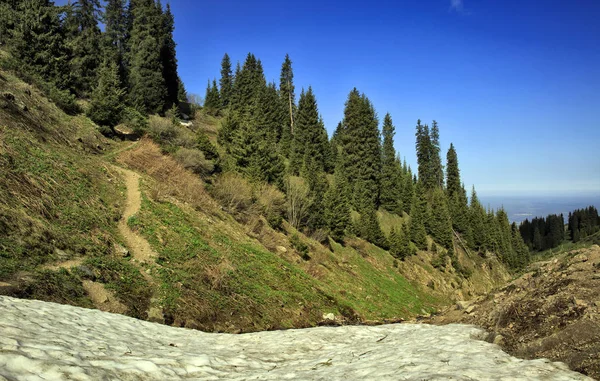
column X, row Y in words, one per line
column 47, row 341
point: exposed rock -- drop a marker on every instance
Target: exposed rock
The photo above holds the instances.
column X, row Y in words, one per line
column 329, row 316
column 499, row 340
column 121, row 251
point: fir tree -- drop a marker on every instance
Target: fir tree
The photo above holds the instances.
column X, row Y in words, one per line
column 391, row 180
column 370, row 230
column 38, row 41
column 107, row 98
column 418, row 212
column 441, row 225
column 226, row 81
column 147, row 88
column 437, row 171
column 453, row 185
column 477, row 221
column 310, row 137
column 115, row 35
column 407, row 191
column 169, row 60
column 85, row 43
column 362, row 146
column 287, row 96
column 337, row 207
column 317, row 185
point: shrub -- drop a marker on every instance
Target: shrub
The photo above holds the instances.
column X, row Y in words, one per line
column 233, row 192
column 272, row 204
column 300, row 246
column 193, row 160
column 133, row 119
column 298, row 200
column 161, row 130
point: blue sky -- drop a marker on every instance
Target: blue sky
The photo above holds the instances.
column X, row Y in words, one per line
column 515, row 85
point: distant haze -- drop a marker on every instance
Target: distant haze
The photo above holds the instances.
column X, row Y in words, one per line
column 523, row 207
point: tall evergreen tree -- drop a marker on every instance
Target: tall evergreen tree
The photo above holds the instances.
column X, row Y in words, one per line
column 477, row 221
column 38, row 41
column 147, row 88
column 453, row 185
column 85, row 43
column 337, row 206
column 439, row 220
column 362, row 146
column 317, row 185
column 391, row 175
column 407, row 191
column 310, row 137
column 369, row 229
column 107, row 98
column 226, row 81
column 168, row 59
column 418, row 213
column 115, row 35
column 287, row 95
column 437, row 171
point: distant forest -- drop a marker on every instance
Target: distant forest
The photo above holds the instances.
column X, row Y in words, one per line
column 336, row 185
column 541, row 234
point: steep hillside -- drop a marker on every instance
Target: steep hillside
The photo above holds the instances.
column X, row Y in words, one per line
column 551, row 311
column 122, row 227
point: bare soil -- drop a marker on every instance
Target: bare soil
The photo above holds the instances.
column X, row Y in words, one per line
column 552, row 311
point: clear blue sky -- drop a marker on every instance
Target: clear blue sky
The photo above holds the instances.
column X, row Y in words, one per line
column 514, row 84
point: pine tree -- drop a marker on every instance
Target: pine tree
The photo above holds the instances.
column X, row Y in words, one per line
column 317, row 185
column 337, row 207
column 391, row 180
column 107, row 98
column 418, row 213
column 38, row 41
column 441, row 225
column 362, row 146
column 226, row 81
column 85, row 42
column 407, row 191
column 310, row 137
column 115, row 36
column 423, row 148
column 477, row 221
column 437, row 171
column 287, row 96
column 147, row 88
column 370, row 230
column 453, row 185
column 168, row 59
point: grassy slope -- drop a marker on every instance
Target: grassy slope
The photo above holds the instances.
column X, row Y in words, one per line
column 61, row 199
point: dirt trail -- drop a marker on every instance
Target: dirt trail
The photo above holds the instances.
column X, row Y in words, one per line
column 63, row 265
column 140, row 248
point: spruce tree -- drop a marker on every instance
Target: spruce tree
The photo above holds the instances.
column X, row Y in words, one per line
column 310, row 137
column 38, row 41
column 391, row 180
column 362, row 146
column 317, row 185
column 147, row 88
column 423, row 148
column 437, row 171
column 407, row 191
column 226, row 81
column 85, row 42
column 370, row 230
column 441, row 224
column 115, row 36
column 337, row 206
column 107, row 98
column 477, row 221
column 418, row 213
column 453, row 185
column 287, row 96
column 169, row 60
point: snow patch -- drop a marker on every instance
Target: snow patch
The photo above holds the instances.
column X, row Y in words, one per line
column 48, row 341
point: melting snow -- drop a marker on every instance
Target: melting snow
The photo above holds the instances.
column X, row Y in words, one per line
column 47, row 341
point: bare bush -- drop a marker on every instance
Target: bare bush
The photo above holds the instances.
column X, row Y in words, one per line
column 173, row 179
column 271, row 202
column 233, row 192
column 194, row 160
column 161, row 129
column 298, row 200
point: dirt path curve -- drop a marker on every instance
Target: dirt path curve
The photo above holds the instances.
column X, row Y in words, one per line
column 139, row 247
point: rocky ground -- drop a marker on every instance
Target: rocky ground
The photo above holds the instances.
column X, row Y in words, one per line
column 551, row 311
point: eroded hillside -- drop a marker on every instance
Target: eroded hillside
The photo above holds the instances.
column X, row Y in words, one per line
column 551, row 311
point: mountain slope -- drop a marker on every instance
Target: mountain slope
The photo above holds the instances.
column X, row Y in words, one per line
column 69, row 226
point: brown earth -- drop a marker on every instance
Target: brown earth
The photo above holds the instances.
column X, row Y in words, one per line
column 552, row 311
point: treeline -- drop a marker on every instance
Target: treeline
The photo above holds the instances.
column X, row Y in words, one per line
column 269, row 137
column 583, row 223
column 547, row 233
column 543, row 233
column 126, row 71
